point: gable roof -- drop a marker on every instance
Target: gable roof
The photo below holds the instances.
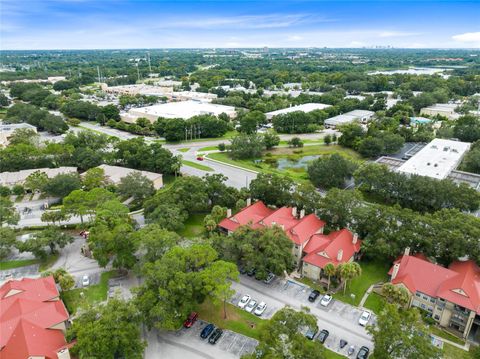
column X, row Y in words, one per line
column 458, row 284
column 323, row 249
column 29, row 308
column 248, row 215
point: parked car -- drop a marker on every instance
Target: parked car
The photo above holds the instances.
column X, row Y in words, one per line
column 269, row 278
column 343, row 343
column 351, row 350
column 364, row 318
column 314, row 295
column 85, row 280
column 251, row 305
column 310, row 334
column 215, row 336
column 192, row 318
column 199, row 158
column 363, row 353
column 244, row 301
column 323, row 336
column 251, row 272
column 326, row 299
column 260, row 308
column 207, row 331
column 242, row 270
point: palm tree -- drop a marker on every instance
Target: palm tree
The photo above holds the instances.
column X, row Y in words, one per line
column 329, row 270
column 349, row 271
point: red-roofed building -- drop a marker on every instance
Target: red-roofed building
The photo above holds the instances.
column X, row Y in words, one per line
column 32, row 320
column 306, row 233
column 451, row 295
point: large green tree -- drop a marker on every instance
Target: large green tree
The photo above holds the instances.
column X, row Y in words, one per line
column 137, row 186
column 330, row 171
column 272, row 189
column 8, row 241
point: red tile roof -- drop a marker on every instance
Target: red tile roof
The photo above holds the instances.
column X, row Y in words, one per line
column 323, row 249
column 29, row 308
column 458, row 284
column 258, row 215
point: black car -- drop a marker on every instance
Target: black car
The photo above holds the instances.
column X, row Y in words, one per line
column 363, row 353
column 206, row 331
column 251, row 272
column 323, row 336
column 310, row 334
column 242, row 270
column 314, row 295
column 215, row 336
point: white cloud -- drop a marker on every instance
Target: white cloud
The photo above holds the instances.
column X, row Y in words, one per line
column 468, row 37
column 294, row 38
column 397, row 34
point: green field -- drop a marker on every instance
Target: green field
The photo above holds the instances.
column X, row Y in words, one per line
column 183, row 149
column 193, row 226
column 375, row 303
column 208, row 148
column 197, row 165
column 73, row 299
column 17, row 264
column 372, row 272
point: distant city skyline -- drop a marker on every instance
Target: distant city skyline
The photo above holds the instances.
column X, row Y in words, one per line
column 112, row 24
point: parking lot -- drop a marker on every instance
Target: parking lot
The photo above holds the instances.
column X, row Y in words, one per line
column 186, row 343
column 94, row 278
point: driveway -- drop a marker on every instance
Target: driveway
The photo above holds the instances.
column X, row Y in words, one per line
column 339, row 318
column 186, row 343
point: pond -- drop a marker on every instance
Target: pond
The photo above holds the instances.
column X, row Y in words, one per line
column 283, row 163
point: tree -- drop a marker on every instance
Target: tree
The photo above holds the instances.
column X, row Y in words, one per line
column 330, row 171
column 54, row 216
column 351, row 135
column 94, row 178
column 281, row 337
column 327, row 140
column 371, row 147
column 401, row 333
column 4, row 101
column 467, row 128
column 51, row 238
column 24, row 135
column 348, row 271
column 338, row 208
column 8, row 213
column 137, row 186
column 8, row 240
column 270, row 140
column 64, row 279
column 272, row 189
column 395, row 294
column 154, row 242
column 168, row 216
column 329, row 270
column 250, row 121
column 246, row 146
column 218, row 192
column 109, row 330
column 36, row 181
column 471, row 162
column 295, row 142
column 63, row 184
column 111, row 112
column 266, row 250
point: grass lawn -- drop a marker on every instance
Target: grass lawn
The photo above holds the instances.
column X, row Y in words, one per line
column 208, row 148
column 92, row 294
column 311, row 284
column 375, row 302
column 443, row 334
column 297, row 174
column 372, row 272
column 183, row 149
column 197, row 165
column 193, row 226
column 238, row 320
column 47, row 263
column 332, row 355
column 226, row 136
column 17, row 264
column 451, row 352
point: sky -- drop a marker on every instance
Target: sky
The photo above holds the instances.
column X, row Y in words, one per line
column 112, row 24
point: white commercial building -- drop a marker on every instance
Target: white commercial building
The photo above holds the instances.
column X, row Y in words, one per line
column 361, row 116
column 182, row 109
column 306, row 107
column 6, row 131
column 443, row 109
column 437, row 159
column 114, row 174
column 10, row 179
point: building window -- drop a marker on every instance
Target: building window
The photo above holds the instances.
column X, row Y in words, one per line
column 432, row 300
column 430, row 309
column 417, row 294
column 437, row 317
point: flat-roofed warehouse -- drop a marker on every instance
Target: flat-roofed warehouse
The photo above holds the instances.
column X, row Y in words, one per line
column 437, row 159
column 182, row 109
column 306, row 107
column 361, row 116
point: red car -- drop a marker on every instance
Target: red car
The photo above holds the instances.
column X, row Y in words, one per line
column 199, row 158
column 192, row 318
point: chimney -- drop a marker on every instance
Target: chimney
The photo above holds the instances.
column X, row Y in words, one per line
column 229, row 212
column 355, row 238
column 302, row 213
column 396, row 268
column 249, row 202
column 294, row 211
column 339, row 255
column 407, row 251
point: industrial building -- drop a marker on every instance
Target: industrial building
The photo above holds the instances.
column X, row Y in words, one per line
column 361, row 116
column 443, row 109
column 306, row 107
column 182, row 109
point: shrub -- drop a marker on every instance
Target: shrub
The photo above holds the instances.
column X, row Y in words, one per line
column 18, row 190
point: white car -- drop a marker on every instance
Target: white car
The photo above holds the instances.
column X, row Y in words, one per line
column 260, row 308
column 85, row 281
column 364, row 318
column 326, row 299
column 244, row 301
column 251, row 305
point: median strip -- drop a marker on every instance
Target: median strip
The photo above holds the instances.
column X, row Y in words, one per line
column 197, row 166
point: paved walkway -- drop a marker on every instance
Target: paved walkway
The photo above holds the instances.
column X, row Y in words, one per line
column 365, row 296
